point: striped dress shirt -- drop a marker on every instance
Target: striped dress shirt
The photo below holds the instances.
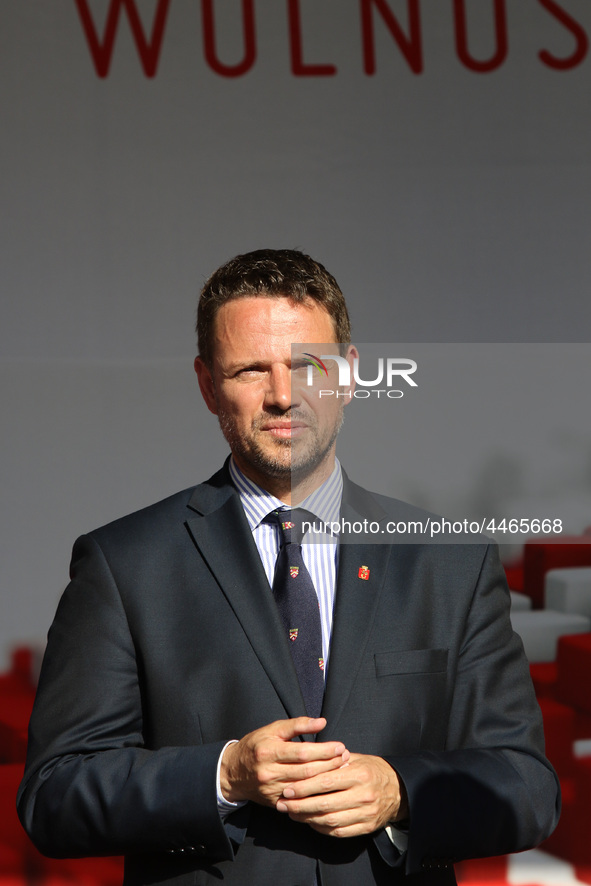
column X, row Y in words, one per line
column 319, row 550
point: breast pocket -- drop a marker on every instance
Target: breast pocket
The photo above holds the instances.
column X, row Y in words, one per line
column 411, row 661
column 412, row 688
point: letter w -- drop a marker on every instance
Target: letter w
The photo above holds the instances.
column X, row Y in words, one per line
column 149, row 51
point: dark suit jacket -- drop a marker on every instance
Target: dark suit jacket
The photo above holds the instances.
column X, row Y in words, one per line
column 167, row 643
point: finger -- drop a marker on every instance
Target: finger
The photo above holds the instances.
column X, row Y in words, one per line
column 327, row 781
column 293, row 773
column 318, row 805
column 288, row 729
column 307, row 752
column 335, row 821
column 354, row 830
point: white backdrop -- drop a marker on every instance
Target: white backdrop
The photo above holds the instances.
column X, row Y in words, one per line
column 451, row 203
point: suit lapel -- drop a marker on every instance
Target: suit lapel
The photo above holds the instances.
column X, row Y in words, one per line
column 224, row 539
column 361, row 576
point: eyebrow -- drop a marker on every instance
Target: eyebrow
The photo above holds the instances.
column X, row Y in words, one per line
column 238, row 365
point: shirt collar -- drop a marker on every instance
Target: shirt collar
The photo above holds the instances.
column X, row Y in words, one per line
column 324, row 503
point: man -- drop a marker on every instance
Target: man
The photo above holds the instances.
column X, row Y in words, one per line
column 172, row 703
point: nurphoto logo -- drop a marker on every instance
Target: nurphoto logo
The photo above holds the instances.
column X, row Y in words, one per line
column 390, row 371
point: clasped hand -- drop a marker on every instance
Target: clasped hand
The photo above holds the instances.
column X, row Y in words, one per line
column 318, row 783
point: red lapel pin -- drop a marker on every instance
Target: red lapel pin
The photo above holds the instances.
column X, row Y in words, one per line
column 363, row 572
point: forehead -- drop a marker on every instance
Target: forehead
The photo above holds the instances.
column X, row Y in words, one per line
column 267, row 324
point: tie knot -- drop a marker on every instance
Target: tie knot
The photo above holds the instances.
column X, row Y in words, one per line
column 290, row 523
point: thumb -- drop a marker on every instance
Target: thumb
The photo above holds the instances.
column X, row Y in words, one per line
column 288, row 729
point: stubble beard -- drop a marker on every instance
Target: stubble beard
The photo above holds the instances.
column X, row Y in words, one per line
column 298, row 459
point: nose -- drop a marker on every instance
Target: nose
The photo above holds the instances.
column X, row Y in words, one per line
column 279, row 393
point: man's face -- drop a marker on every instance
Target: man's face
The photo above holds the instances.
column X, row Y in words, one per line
column 272, row 428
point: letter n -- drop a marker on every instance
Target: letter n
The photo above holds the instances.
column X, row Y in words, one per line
column 411, row 46
column 149, row 51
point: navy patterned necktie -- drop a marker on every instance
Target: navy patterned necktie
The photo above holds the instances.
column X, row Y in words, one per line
column 299, row 609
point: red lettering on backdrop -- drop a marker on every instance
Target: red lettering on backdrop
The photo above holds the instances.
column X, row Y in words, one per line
column 209, row 43
column 500, row 55
column 582, row 41
column 411, row 46
column 295, row 41
column 149, row 51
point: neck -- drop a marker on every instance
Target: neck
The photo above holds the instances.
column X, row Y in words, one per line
column 295, row 486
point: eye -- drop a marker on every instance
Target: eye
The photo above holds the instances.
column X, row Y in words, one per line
column 250, row 372
column 299, row 366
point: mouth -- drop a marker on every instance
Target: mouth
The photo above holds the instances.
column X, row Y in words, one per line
column 285, row 430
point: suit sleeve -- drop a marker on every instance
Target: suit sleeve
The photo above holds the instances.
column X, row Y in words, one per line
column 91, row 786
column 491, row 790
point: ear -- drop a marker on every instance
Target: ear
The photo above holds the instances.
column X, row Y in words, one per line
column 206, row 385
column 352, row 354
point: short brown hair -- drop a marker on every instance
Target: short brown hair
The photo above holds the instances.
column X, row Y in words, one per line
column 272, row 273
